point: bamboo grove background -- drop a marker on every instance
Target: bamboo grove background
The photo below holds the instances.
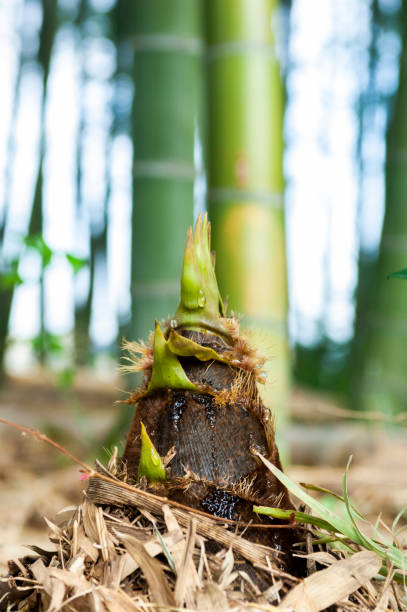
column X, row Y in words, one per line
column 178, row 105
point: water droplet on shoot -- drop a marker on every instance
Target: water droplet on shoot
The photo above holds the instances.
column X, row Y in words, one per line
column 201, row 298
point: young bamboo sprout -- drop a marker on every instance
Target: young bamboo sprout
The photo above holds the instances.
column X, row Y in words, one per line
column 199, row 397
column 150, row 464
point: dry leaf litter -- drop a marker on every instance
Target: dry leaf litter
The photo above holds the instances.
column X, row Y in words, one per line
column 125, row 549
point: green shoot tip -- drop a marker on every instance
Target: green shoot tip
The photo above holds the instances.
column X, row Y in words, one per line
column 151, row 465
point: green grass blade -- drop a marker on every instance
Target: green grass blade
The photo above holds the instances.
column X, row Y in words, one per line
column 299, row 517
column 338, row 523
column 398, row 517
column 325, row 491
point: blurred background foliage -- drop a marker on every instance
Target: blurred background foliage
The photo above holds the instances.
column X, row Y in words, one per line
column 120, row 120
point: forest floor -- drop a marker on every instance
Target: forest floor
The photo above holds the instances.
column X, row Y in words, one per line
column 36, row 481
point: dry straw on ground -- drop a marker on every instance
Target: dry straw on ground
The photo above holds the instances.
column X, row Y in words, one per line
column 126, row 549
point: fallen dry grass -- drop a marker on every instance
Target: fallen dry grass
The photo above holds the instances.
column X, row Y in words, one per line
column 123, row 548
column 154, row 556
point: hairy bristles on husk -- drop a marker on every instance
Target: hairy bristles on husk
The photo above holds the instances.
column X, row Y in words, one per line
column 188, row 479
column 277, row 500
column 243, row 356
column 139, row 355
column 232, row 326
column 244, row 488
column 243, row 391
column 223, row 397
column 135, row 396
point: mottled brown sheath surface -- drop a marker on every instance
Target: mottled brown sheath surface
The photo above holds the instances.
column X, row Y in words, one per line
column 215, row 443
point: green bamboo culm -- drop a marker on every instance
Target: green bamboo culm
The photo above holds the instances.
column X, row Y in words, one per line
column 245, row 175
column 166, row 36
column 380, row 383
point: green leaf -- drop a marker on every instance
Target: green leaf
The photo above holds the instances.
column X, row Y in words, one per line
column 167, row 372
column 47, row 342
column 150, row 464
column 10, row 277
column 184, row 347
column 399, row 274
column 8, row 280
column 77, row 263
column 37, row 243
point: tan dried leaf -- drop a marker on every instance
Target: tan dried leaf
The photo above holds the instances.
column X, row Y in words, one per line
column 160, row 591
column 333, row 584
column 211, row 598
column 187, row 577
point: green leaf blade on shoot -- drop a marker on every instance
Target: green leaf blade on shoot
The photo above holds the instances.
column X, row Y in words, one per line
column 399, row 274
column 168, row 372
column 200, row 306
column 191, row 280
column 151, row 465
column 185, row 347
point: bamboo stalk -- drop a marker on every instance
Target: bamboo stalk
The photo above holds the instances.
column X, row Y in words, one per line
column 167, row 45
column 382, row 381
column 82, row 311
column 366, row 263
column 245, row 191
